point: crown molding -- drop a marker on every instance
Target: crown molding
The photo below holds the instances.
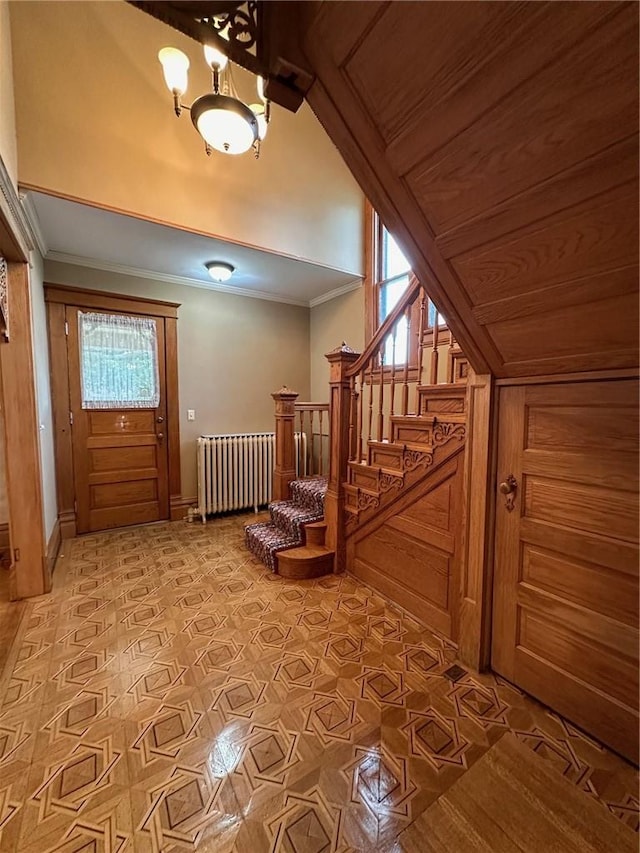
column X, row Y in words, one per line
column 13, row 213
column 136, row 272
column 31, row 216
column 333, row 294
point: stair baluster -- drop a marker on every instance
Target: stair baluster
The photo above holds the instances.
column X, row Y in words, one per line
column 381, row 395
column 433, row 379
column 407, row 353
column 361, row 386
column 392, row 388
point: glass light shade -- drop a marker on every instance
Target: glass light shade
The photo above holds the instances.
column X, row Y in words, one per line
column 219, row 270
column 260, row 86
column 225, row 123
column 175, row 65
column 215, row 57
column 258, row 111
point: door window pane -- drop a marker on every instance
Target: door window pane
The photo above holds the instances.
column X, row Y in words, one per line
column 118, row 361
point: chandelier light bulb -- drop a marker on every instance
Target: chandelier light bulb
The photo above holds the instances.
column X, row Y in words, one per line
column 260, row 87
column 259, row 112
column 215, row 58
column 220, row 270
column 175, row 65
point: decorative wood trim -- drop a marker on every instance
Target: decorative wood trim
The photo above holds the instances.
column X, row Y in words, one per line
column 5, row 538
column 176, row 225
column 16, row 238
column 57, row 298
column 61, row 406
column 619, row 373
column 28, row 574
column 173, row 409
column 109, row 301
column 478, row 502
column 180, row 505
column 68, row 527
column 53, row 547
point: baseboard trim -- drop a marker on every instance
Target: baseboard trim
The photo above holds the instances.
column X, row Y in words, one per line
column 67, row 519
column 53, row 547
column 179, row 506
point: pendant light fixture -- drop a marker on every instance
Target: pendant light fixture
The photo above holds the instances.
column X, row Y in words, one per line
column 224, row 122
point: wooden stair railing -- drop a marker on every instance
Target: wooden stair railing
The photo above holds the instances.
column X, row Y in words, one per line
column 304, row 458
column 380, row 407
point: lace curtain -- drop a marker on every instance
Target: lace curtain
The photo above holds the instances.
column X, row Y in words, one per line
column 118, row 362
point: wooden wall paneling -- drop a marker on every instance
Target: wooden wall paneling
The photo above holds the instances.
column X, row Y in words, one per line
column 29, row 570
column 176, row 500
column 568, row 111
column 478, row 503
column 473, row 66
column 570, row 187
column 593, row 237
column 517, row 196
column 61, row 408
column 411, row 551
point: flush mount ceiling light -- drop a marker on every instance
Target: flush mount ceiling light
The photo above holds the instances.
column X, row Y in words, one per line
column 219, row 270
column 224, row 121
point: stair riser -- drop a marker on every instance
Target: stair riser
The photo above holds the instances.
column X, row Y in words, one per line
column 405, row 434
column 314, row 534
column 366, row 478
column 439, row 406
column 299, row 568
column 389, row 458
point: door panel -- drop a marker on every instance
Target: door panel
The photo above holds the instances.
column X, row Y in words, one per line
column 565, row 623
column 120, row 454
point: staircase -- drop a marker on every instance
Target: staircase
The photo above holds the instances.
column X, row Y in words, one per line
column 418, row 444
column 292, row 543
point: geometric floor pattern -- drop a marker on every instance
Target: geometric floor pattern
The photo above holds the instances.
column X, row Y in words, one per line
column 172, row 694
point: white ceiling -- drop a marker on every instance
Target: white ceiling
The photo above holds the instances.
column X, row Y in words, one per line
column 93, row 237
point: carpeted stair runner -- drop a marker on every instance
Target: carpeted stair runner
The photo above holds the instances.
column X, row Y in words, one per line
column 286, row 528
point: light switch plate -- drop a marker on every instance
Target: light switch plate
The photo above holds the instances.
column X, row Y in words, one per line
column 191, row 414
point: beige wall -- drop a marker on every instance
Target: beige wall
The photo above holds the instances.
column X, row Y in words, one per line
column 340, row 319
column 43, row 394
column 233, row 352
column 8, row 149
column 95, row 122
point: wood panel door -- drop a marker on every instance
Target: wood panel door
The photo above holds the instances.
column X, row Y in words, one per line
column 565, row 624
column 120, row 455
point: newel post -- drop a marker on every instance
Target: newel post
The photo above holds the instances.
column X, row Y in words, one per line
column 340, row 360
column 285, row 463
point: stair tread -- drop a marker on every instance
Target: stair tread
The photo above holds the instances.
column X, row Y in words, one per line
column 306, row 552
column 316, row 525
column 457, row 388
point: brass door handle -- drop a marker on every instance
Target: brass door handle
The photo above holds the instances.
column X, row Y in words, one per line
column 160, row 419
column 509, row 489
column 160, row 436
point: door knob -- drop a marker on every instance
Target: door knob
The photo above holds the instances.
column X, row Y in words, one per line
column 160, row 436
column 509, row 488
column 160, row 419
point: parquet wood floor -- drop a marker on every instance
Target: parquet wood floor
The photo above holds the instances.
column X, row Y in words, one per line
column 171, row 694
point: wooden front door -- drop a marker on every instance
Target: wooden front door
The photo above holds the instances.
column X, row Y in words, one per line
column 565, row 623
column 119, row 454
